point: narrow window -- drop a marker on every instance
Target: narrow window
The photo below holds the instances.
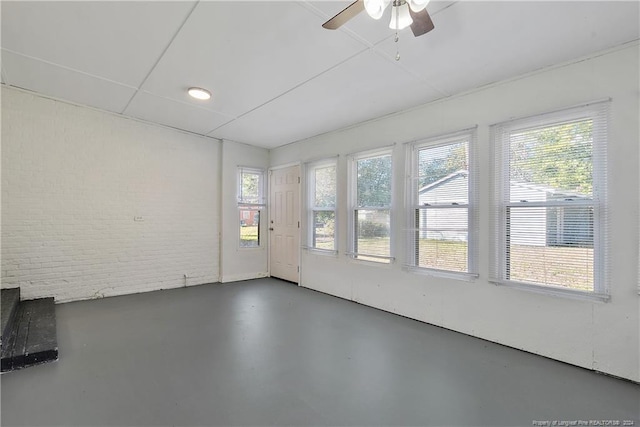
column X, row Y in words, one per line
column 549, row 215
column 321, row 179
column 442, row 206
column 371, row 195
column 251, row 202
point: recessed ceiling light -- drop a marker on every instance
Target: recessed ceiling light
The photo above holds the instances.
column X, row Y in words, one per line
column 199, row 93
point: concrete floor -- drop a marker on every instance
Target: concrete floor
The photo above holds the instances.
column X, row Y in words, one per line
column 266, row 352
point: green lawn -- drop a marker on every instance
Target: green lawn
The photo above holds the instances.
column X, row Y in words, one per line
column 249, row 236
column 443, row 254
column 373, row 246
column 324, row 243
column 557, row 266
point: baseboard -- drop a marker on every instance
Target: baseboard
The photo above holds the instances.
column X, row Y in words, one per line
column 244, row 276
column 487, row 339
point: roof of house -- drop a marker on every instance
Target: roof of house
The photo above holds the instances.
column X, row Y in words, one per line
column 530, row 186
column 443, row 180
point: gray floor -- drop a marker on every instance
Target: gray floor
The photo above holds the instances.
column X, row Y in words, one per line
column 267, row 352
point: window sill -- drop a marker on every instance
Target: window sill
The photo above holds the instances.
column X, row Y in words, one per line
column 445, row 274
column 553, row 291
column 321, row 252
column 250, row 248
column 361, row 259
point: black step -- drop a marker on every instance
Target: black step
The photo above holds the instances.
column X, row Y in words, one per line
column 9, row 299
column 34, row 339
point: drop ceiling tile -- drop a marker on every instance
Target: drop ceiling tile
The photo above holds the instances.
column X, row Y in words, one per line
column 248, row 53
column 116, row 40
column 477, row 43
column 63, row 83
column 175, row 114
column 365, row 87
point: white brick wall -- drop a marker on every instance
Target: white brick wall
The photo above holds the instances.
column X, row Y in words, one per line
column 73, row 179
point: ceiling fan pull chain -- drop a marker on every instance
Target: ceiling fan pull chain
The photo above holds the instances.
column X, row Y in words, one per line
column 397, row 37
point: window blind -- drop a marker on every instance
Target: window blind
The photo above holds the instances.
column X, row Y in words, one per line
column 251, row 186
column 321, row 202
column 442, row 204
column 371, row 196
column 251, row 201
column 549, row 218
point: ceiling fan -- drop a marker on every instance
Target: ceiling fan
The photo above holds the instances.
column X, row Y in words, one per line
column 404, row 13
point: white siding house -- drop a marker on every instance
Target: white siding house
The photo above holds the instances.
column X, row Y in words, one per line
column 532, row 226
column 445, row 224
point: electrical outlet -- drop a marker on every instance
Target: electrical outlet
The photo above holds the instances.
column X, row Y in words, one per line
column 138, row 218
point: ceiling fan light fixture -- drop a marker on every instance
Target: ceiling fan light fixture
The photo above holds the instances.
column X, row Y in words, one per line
column 400, row 16
column 418, row 5
column 375, row 8
column 199, row 93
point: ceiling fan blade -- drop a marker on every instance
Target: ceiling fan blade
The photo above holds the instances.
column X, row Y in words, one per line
column 422, row 22
column 347, row 13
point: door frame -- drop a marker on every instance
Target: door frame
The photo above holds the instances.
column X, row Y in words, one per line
column 300, row 209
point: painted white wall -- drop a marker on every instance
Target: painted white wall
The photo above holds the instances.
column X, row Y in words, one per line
column 595, row 335
column 240, row 263
column 74, row 178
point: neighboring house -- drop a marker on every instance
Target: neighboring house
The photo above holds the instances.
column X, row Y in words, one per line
column 445, row 224
column 553, row 226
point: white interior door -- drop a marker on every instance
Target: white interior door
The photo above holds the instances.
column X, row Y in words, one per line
column 284, row 223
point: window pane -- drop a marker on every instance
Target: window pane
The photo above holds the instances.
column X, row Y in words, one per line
column 250, row 188
column 552, row 162
column 551, row 246
column 550, row 187
column 324, row 229
column 374, row 182
column 452, row 189
column 325, row 187
column 442, row 239
column 442, row 173
column 249, row 228
column 373, row 233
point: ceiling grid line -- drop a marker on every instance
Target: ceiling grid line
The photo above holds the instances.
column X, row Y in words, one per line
column 393, row 60
column 155, row 64
column 281, row 77
column 84, row 73
column 410, row 72
column 293, row 88
column 3, row 73
column 189, row 104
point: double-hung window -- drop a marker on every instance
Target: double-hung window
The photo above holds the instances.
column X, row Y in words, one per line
column 370, row 198
column 442, row 204
column 321, row 196
column 549, row 217
column 251, row 202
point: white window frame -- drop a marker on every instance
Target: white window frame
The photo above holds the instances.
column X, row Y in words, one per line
column 500, row 135
column 311, row 168
column 353, row 208
column 413, row 206
column 255, row 205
